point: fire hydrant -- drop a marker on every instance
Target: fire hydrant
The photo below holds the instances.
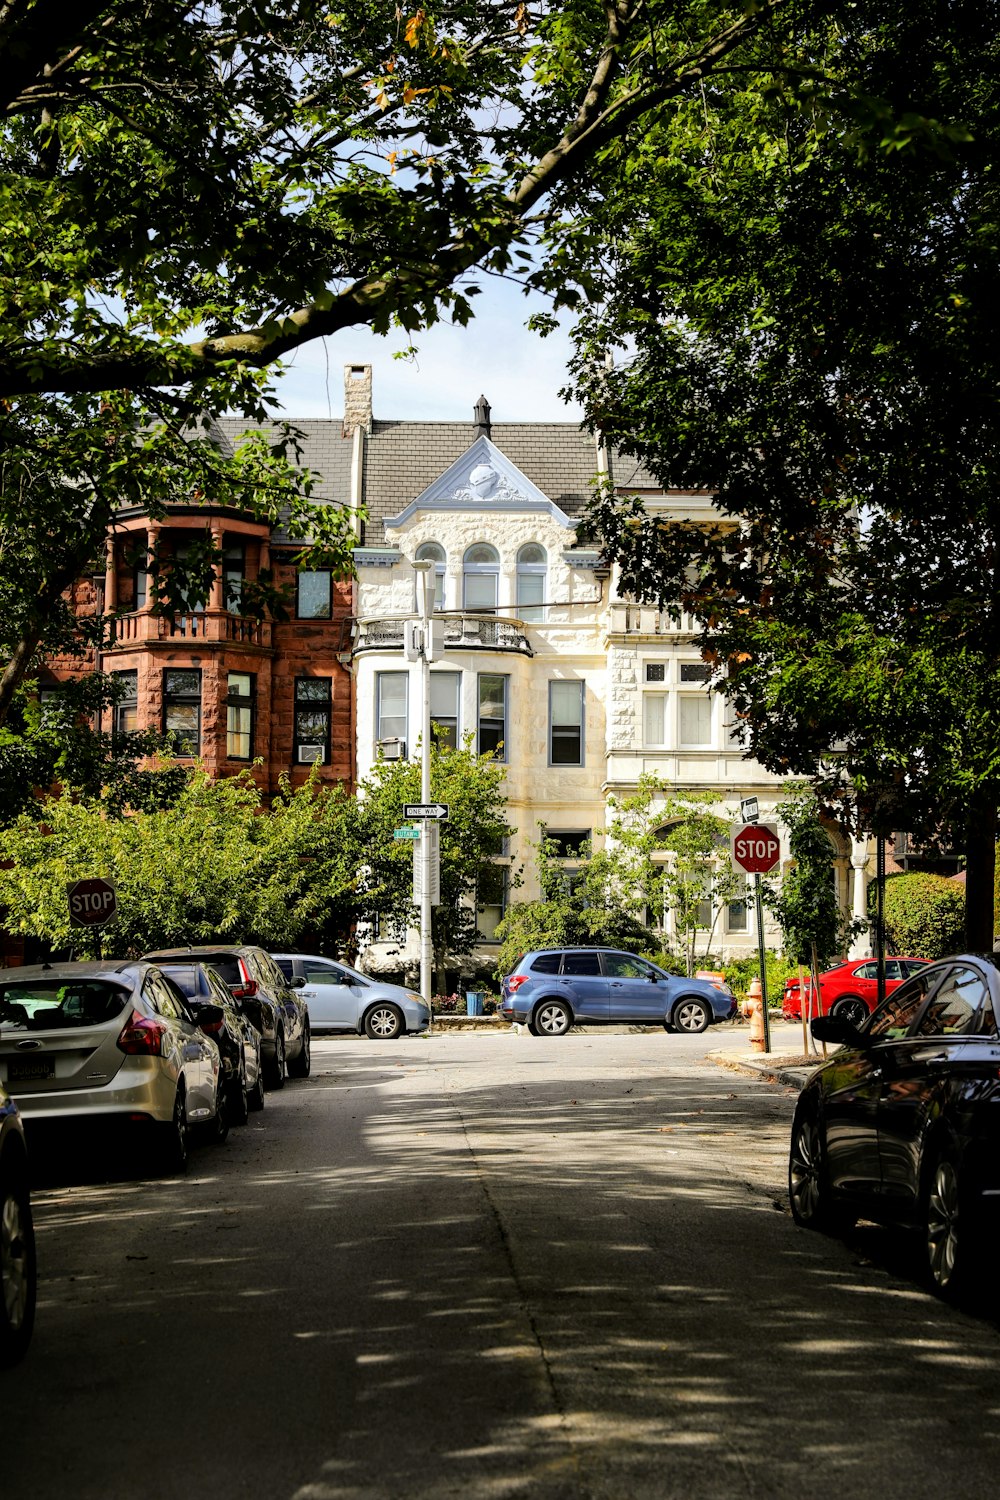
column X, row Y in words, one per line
column 753, row 1006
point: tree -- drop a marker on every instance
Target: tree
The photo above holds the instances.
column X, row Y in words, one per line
column 810, row 287
column 191, row 192
column 923, row 914
column 472, row 837
column 805, row 903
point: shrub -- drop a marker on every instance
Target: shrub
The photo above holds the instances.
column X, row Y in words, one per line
column 924, row 914
column 741, row 971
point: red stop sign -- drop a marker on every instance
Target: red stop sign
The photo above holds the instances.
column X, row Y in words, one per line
column 92, row 902
column 756, row 848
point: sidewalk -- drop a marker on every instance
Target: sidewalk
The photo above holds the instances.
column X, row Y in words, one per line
column 780, row 1067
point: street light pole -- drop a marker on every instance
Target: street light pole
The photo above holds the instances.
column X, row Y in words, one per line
column 423, row 569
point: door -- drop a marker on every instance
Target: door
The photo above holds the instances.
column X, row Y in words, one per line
column 588, row 988
column 635, row 993
column 955, row 1036
column 196, row 1058
column 854, row 1091
column 332, row 1002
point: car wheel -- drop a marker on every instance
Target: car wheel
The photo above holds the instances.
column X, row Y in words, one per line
column 808, row 1183
column 17, row 1268
column 691, row 1015
column 551, row 1018
column 850, row 1008
column 255, row 1098
column 301, row 1066
column 383, row 1022
column 277, row 1070
column 948, row 1237
column 239, row 1102
column 174, row 1138
column 217, row 1128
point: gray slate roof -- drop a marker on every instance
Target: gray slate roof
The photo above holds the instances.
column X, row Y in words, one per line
column 403, row 458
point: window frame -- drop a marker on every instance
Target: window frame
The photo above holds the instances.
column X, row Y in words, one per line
column 500, row 752
column 562, row 682
column 686, row 744
column 302, row 705
column 380, row 736
column 314, row 573
column 176, row 699
column 130, row 701
column 446, row 720
column 241, row 702
column 434, row 552
column 474, row 570
column 531, row 612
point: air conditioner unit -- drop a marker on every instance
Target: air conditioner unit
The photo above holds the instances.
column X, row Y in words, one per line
column 311, row 753
column 392, row 749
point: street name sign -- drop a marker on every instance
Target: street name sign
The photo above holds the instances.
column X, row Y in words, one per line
column 425, row 810
column 92, row 902
column 406, row 833
column 756, row 848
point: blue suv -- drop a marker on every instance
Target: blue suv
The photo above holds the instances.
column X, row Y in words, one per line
column 553, row 989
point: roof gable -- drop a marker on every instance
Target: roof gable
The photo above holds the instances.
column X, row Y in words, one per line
column 482, row 479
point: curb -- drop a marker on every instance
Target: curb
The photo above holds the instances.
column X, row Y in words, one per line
column 783, row 1070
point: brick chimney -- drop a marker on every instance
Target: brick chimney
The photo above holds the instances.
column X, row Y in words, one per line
column 357, row 398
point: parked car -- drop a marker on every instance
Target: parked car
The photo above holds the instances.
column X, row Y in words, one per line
column 235, row 1035
column 341, row 999
column 262, row 993
column 849, row 989
column 902, row 1125
column 111, row 1044
column 17, row 1238
column 553, row 989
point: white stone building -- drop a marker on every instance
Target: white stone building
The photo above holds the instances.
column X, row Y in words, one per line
column 582, row 689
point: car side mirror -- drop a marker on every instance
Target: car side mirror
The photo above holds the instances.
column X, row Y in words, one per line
column 298, row 983
column 837, row 1029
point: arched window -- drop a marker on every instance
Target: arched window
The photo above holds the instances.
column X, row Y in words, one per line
column 433, row 552
column 532, row 569
column 480, row 577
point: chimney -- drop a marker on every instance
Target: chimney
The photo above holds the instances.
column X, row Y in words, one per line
column 357, row 398
column 481, row 416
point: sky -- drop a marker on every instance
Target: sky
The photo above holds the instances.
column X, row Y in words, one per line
column 519, row 373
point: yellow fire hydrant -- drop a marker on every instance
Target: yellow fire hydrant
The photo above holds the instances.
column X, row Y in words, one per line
column 753, row 1006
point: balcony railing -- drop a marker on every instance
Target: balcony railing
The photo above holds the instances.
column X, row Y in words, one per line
column 646, row 619
column 461, row 633
column 202, row 625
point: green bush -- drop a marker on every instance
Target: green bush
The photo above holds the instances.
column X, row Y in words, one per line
column 924, row 914
column 741, row 971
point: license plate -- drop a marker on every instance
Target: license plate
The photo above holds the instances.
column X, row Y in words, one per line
column 26, row 1069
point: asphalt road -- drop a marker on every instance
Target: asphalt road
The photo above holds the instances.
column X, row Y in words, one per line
column 488, row 1266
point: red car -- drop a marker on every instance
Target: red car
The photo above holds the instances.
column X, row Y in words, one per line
column 849, row 990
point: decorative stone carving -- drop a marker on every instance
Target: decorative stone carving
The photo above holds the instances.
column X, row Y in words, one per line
column 486, row 484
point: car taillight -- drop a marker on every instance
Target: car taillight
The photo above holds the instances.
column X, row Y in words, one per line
column 141, row 1035
column 515, row 982
column 246, row 991
column 212, row 1026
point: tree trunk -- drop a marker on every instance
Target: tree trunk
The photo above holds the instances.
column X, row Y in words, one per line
column 980, row 863
column 38, row 617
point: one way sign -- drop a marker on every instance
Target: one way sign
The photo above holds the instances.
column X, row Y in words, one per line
column 425, row 810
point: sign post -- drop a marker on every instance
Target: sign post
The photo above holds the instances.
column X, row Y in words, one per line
column 756, row 849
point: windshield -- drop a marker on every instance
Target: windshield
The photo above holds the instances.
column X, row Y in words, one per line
column 50, row 1004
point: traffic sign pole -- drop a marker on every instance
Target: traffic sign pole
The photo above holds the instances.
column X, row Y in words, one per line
column 763, row 962
column 756, row 849
column 422, row 851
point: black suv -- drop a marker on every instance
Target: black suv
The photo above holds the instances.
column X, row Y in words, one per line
column 262, row 993
column 235, row 1035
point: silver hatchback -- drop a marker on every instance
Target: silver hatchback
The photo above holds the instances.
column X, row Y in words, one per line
column 110, row 1043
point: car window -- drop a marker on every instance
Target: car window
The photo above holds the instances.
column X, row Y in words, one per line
column 319, row 972
column 895, row 1015
column 913, row 966
column 546, row 963
column 186, row 978
column 178, row 996
column 960, row 1007
column 163, row 999
column 227, row 966
column 286, row 967
column 51, row 1003
column 866, row 971
column 271, row 975
column 581, row 963
column 628, row 966
column 894, row 969
column 219, row 993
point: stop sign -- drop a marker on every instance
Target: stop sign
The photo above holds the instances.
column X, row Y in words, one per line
column 91, row 902
column 756, row 848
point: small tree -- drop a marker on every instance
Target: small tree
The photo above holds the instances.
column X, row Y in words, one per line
column 806, row 904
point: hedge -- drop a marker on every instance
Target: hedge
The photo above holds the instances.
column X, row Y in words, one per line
column 924, row 915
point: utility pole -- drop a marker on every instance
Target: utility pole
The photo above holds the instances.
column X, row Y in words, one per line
column 424, row 570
